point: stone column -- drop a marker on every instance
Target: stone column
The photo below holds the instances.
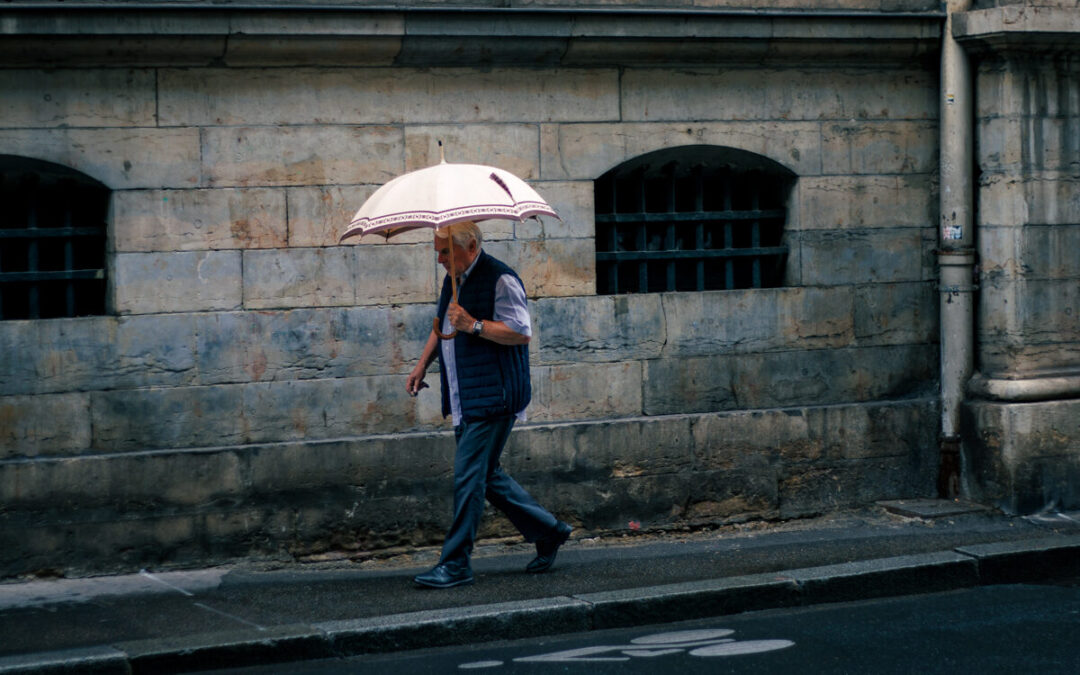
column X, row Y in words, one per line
column 1022, row 420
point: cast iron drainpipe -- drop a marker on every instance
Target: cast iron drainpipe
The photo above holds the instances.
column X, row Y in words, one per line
column 956, row 254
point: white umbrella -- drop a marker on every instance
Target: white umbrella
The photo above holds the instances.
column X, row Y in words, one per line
column 442, row 195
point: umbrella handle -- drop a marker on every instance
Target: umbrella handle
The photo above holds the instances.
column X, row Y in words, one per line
column 453, row 287
column 442, row 336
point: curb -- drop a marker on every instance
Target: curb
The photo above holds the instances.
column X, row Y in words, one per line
column 964, row 567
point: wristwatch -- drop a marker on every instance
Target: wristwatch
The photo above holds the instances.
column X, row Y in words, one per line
column 478, row 328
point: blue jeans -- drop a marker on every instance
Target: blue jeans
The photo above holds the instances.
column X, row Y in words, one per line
column 478, row 475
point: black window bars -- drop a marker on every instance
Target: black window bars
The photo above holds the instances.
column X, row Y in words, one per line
column 52, row 241
column 691, row 219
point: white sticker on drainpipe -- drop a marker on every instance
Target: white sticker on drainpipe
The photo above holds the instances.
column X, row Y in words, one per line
column 953, row 232
column 950, row 98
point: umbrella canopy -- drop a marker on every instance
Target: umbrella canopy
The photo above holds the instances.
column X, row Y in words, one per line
column 445, row 194
column 442, row 195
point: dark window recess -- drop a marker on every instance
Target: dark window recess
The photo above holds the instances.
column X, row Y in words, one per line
column 691, row 219
column 52, row 241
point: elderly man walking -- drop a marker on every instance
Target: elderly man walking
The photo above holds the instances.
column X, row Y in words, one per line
column 484, row 372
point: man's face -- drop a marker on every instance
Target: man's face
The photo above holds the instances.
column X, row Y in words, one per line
column 463, row 257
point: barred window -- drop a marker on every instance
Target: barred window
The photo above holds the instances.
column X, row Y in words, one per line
column 692, row 218
column 52, row 241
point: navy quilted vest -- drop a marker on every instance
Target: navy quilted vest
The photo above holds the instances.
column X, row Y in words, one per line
column 493, row 379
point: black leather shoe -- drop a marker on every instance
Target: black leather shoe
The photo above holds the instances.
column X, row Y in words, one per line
column 547, row 547
column 441, row 576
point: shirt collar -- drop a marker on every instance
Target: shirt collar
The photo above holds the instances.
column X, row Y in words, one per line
column 465, row 274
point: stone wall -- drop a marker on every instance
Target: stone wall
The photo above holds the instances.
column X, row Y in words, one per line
column 246, row 395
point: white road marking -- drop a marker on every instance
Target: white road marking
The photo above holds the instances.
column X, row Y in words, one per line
column 701, row 643
column 476, row 665
column 161, row 581
column 739, row 647
column 678, row 637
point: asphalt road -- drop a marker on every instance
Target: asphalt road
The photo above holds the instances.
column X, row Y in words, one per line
column 995, row 629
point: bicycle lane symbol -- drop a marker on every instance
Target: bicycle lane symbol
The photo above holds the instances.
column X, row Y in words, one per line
column 699, row 643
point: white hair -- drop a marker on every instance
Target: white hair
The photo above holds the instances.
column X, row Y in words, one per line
column 462, row 233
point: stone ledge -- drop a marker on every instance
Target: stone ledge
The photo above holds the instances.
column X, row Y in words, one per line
column 244, row 35
column 1019, row 27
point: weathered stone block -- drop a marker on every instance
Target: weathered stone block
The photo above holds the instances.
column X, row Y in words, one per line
column 567, row 392
column 1030, row 252
column 755, row 320
column 731, row 495
column 893, row 147
column 120, row 158
column 123, row 483
column 395, row 274
column 72, row 351
column 272, row 97
column 319, row 215
column 587, row 151
column 147, row 351
column 97, row 353
column 636, row 448
column 1030, row 311
column 104, row 97
column 34, row 426
column 196, row 220
column 842, row 202
column 513, row 147
column 551, row 267
column 780, row 379
column 1009, row 359
column 299, row 277
column 688, row 385
column 1001, row 143
column 176, row 417
column 860, row 431
column 1000, row 89
column 900, row 313
column 309, row 343
column 1016, row 84
column 776, row 94
column 331, row 408
column 729, row 440
column 605, row 471
column 1044, row 198
column 1044, row 143
column 188, row 281
column 360, row 463
column 573, row 201
column 806, row 491
column 600, row 328
column 300, row 155
column 836, row 257
column 1025, row 456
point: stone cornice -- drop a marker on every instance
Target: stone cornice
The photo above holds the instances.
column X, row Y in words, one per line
column 1019, row 28
column 171, row 34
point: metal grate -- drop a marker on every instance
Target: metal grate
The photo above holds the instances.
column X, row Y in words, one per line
column 52, row 241
column 691, row 224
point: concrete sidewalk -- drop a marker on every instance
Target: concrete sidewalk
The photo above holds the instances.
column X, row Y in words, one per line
column 250, row 614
